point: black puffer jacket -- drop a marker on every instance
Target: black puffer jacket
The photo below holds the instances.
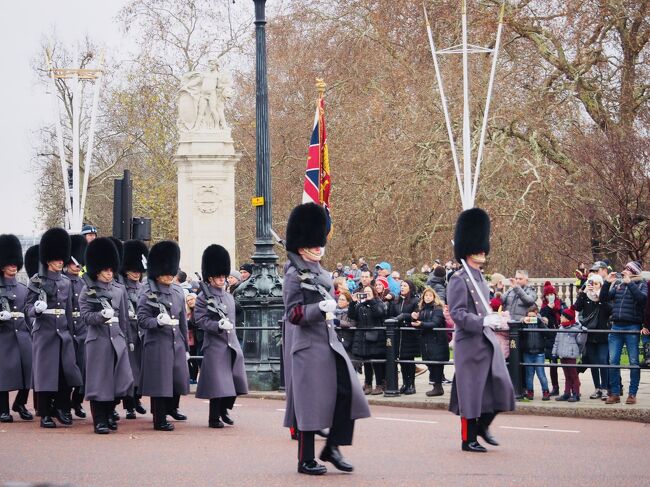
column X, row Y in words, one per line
column 369, row 314
column 594, row 315
column 535, row 341
column 628, row 301
column 409, row 339
column 435, row 345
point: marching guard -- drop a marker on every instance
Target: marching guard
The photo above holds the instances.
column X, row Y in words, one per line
column 15, row 333
column 104, row 312
column 164, row 376
column 73, row 272
column 223, row 375
column 134, row 264
column 49, row 305
column 481, row 387
column 322, row 389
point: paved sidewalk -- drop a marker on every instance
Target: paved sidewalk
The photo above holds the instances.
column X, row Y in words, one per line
column 585, row 408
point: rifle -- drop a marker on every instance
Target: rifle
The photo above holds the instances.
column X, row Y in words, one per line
column 4, row 297
column 218, row 309
column 153, row 298
column 307, row 279
column 95, row 295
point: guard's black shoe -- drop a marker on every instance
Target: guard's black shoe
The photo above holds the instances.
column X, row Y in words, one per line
column 79, row 411
column 216, row 424
column 473, row 446
column 166, row 426
column 333, row 455
column 114, row 415
column 140, row 409
column 130, row 414
column 177, row 415
column 6, row 418
column 63, row 417
column 22, row 411
column 112, row 425
column 227, row 419
column 101, row 429
column 311, row 467
column 487, row 436
column 47, row 422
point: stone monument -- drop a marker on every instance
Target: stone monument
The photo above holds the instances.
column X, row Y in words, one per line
column 206, row 161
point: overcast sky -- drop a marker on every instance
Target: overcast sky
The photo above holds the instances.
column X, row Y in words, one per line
column 24, row 103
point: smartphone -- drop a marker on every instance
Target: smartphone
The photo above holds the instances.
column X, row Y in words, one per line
column 619, row 275
column 361, row 296
column 530, row 319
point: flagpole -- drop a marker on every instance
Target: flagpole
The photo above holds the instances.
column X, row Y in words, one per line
column 495, row 55
column 445, row 110
column 320, row 86
column 467, row 155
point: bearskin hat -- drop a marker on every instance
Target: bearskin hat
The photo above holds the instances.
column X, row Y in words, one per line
column 101, row 254
column 78, row 246
column 11, row 251
column 134, row 252
column 55, row 245
column 215, row 262
column 120, row 250
column 164, row 258
column 472, row 233
column 307, row 227
column 31, row 261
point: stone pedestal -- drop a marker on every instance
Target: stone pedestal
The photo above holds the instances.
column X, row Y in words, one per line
column 206, row 194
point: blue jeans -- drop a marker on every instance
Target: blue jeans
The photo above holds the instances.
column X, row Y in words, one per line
column 631, row 342
column 535, row 358
column 598, row 353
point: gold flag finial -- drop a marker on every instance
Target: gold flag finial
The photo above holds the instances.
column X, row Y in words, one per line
column 320, row 86
column 463, row 7
column 503, row 11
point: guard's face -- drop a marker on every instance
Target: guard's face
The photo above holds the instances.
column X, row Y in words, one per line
column 55, row 265
column 313, row 254
column 73, row 268
column 217, row 281
column 10, row 270
column 134, row 276
column 165, row 280
column 106, row 275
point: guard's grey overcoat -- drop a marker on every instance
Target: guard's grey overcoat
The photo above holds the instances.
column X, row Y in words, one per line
column 164, row 370
column 108, row 373
column 78, row 328
column 310, row 362
column 223, row 373
column 481, row 382
column 15, row 342
column 52, row 342
column 134, row 333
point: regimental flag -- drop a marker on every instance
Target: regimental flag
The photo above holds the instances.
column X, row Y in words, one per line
column 318, row 180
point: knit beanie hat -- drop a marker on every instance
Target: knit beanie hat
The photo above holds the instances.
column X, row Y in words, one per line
column 634, row 267
column 569, row 314
column 383, row 281
column 549, row 288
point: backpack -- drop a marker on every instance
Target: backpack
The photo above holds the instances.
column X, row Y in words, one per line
column 581, row 337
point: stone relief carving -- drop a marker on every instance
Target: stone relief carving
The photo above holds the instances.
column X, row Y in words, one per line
column 207, row 198
column 202, row 99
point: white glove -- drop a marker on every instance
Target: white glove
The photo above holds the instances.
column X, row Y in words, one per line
column 225, row 324
column 164, row 319
column 492, row 321
column 40, row 306
column 132, row 347
column 187, row 355
column 107, row 313
column 5, row 315
column 327, row 306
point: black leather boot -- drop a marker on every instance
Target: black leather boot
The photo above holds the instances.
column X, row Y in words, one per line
column 311, row 467
column 23, row 412
column 130, row 414
column 63, row 417
column 47, row 422
column 483, row 429
column 79, row 411
column 333, row 455
column 6, row 418
column 469, row 430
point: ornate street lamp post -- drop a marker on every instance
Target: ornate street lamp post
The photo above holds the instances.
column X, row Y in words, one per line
column 261, row 295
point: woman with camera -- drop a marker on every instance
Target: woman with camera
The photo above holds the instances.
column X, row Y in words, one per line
column 369, row 312
column 409, row 339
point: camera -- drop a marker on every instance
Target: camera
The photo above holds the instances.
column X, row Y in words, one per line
column 361, row 296
column 619, row 275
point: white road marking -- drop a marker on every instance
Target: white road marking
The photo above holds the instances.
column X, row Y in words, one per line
column 538, row 429
column 281, row 410
column 405, row 420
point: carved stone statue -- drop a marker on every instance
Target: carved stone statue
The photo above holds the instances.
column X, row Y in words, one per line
column 202, row 99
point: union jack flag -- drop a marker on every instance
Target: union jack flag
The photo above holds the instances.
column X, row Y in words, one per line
column 318, row 180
